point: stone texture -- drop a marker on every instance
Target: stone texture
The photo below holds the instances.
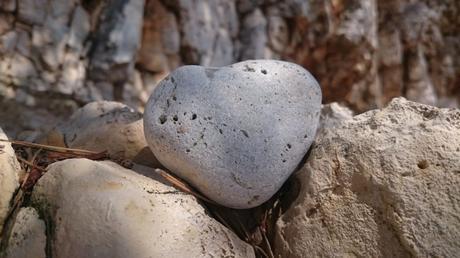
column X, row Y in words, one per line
column 54, row 54
column 363, row 53
column 383, row 184
column 331, row 116
column 236, row 133
column 31, row 11
column 28, row 238
column 160, row 39
column 253, row 37
column 100, row 126
column 117, row 40
column 124, row 214
column 9, row 170
column 207, row 28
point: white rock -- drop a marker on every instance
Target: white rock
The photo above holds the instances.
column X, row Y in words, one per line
column 332, row 115
column 103, row 125
column 278, row 33
column 8, row 41
column 32, row 11
column 9, row 169
column 236, row 133
column 100, row 209
column 28, row 238
column 254, row 35
column 383, row 184
column 17, row 69
column 79, row 29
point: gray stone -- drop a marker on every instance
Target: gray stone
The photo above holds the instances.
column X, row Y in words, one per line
column 23, row 44
column 19, row 69
column 28, row 238
column 253, row 35
column 278, row 33
column 8, row 42
column 100, row 126
column 8, row 5
column 382, row 184
column 6, row 22
column 332, row 115
column 72, row 74
column 9, row 169
column 79, row 29
column 99, row 209
column 236, row 133
column 206, row 29
column 32, row 11
column 419, row 86
column 117, row 39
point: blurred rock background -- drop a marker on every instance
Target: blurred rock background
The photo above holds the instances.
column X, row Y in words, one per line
column 56, row 55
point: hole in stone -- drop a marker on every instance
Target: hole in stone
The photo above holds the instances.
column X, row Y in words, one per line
column 284, row 161
column 193, row 116
column 220, row 131
column 423, row 164
column 187, row 150
column 264, row 71
column 174, row 98
column 175, row 118
column 162, row 119
column 289, row 146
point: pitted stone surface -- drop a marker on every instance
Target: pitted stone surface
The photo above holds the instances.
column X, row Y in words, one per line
column 236, row 133
column 384, row 183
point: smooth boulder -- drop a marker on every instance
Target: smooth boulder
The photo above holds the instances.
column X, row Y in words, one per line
column 100, row 209
column 9, row 177
column 105, row 126
column 382, row 184
column 27, row 238
column 236, row 133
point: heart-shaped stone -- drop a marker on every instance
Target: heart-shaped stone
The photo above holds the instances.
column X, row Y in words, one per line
column 236, row 133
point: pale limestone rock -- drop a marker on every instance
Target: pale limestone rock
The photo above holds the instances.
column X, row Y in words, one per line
column 28, row 238
column 253, row 35
column 79, row 29
column 332, row 114
column 100, row 126
column 383, row 184
column 32, row 11
column 100, row 209
column 9, row 169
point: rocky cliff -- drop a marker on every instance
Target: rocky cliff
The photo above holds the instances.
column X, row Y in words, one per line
column 56, row 56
